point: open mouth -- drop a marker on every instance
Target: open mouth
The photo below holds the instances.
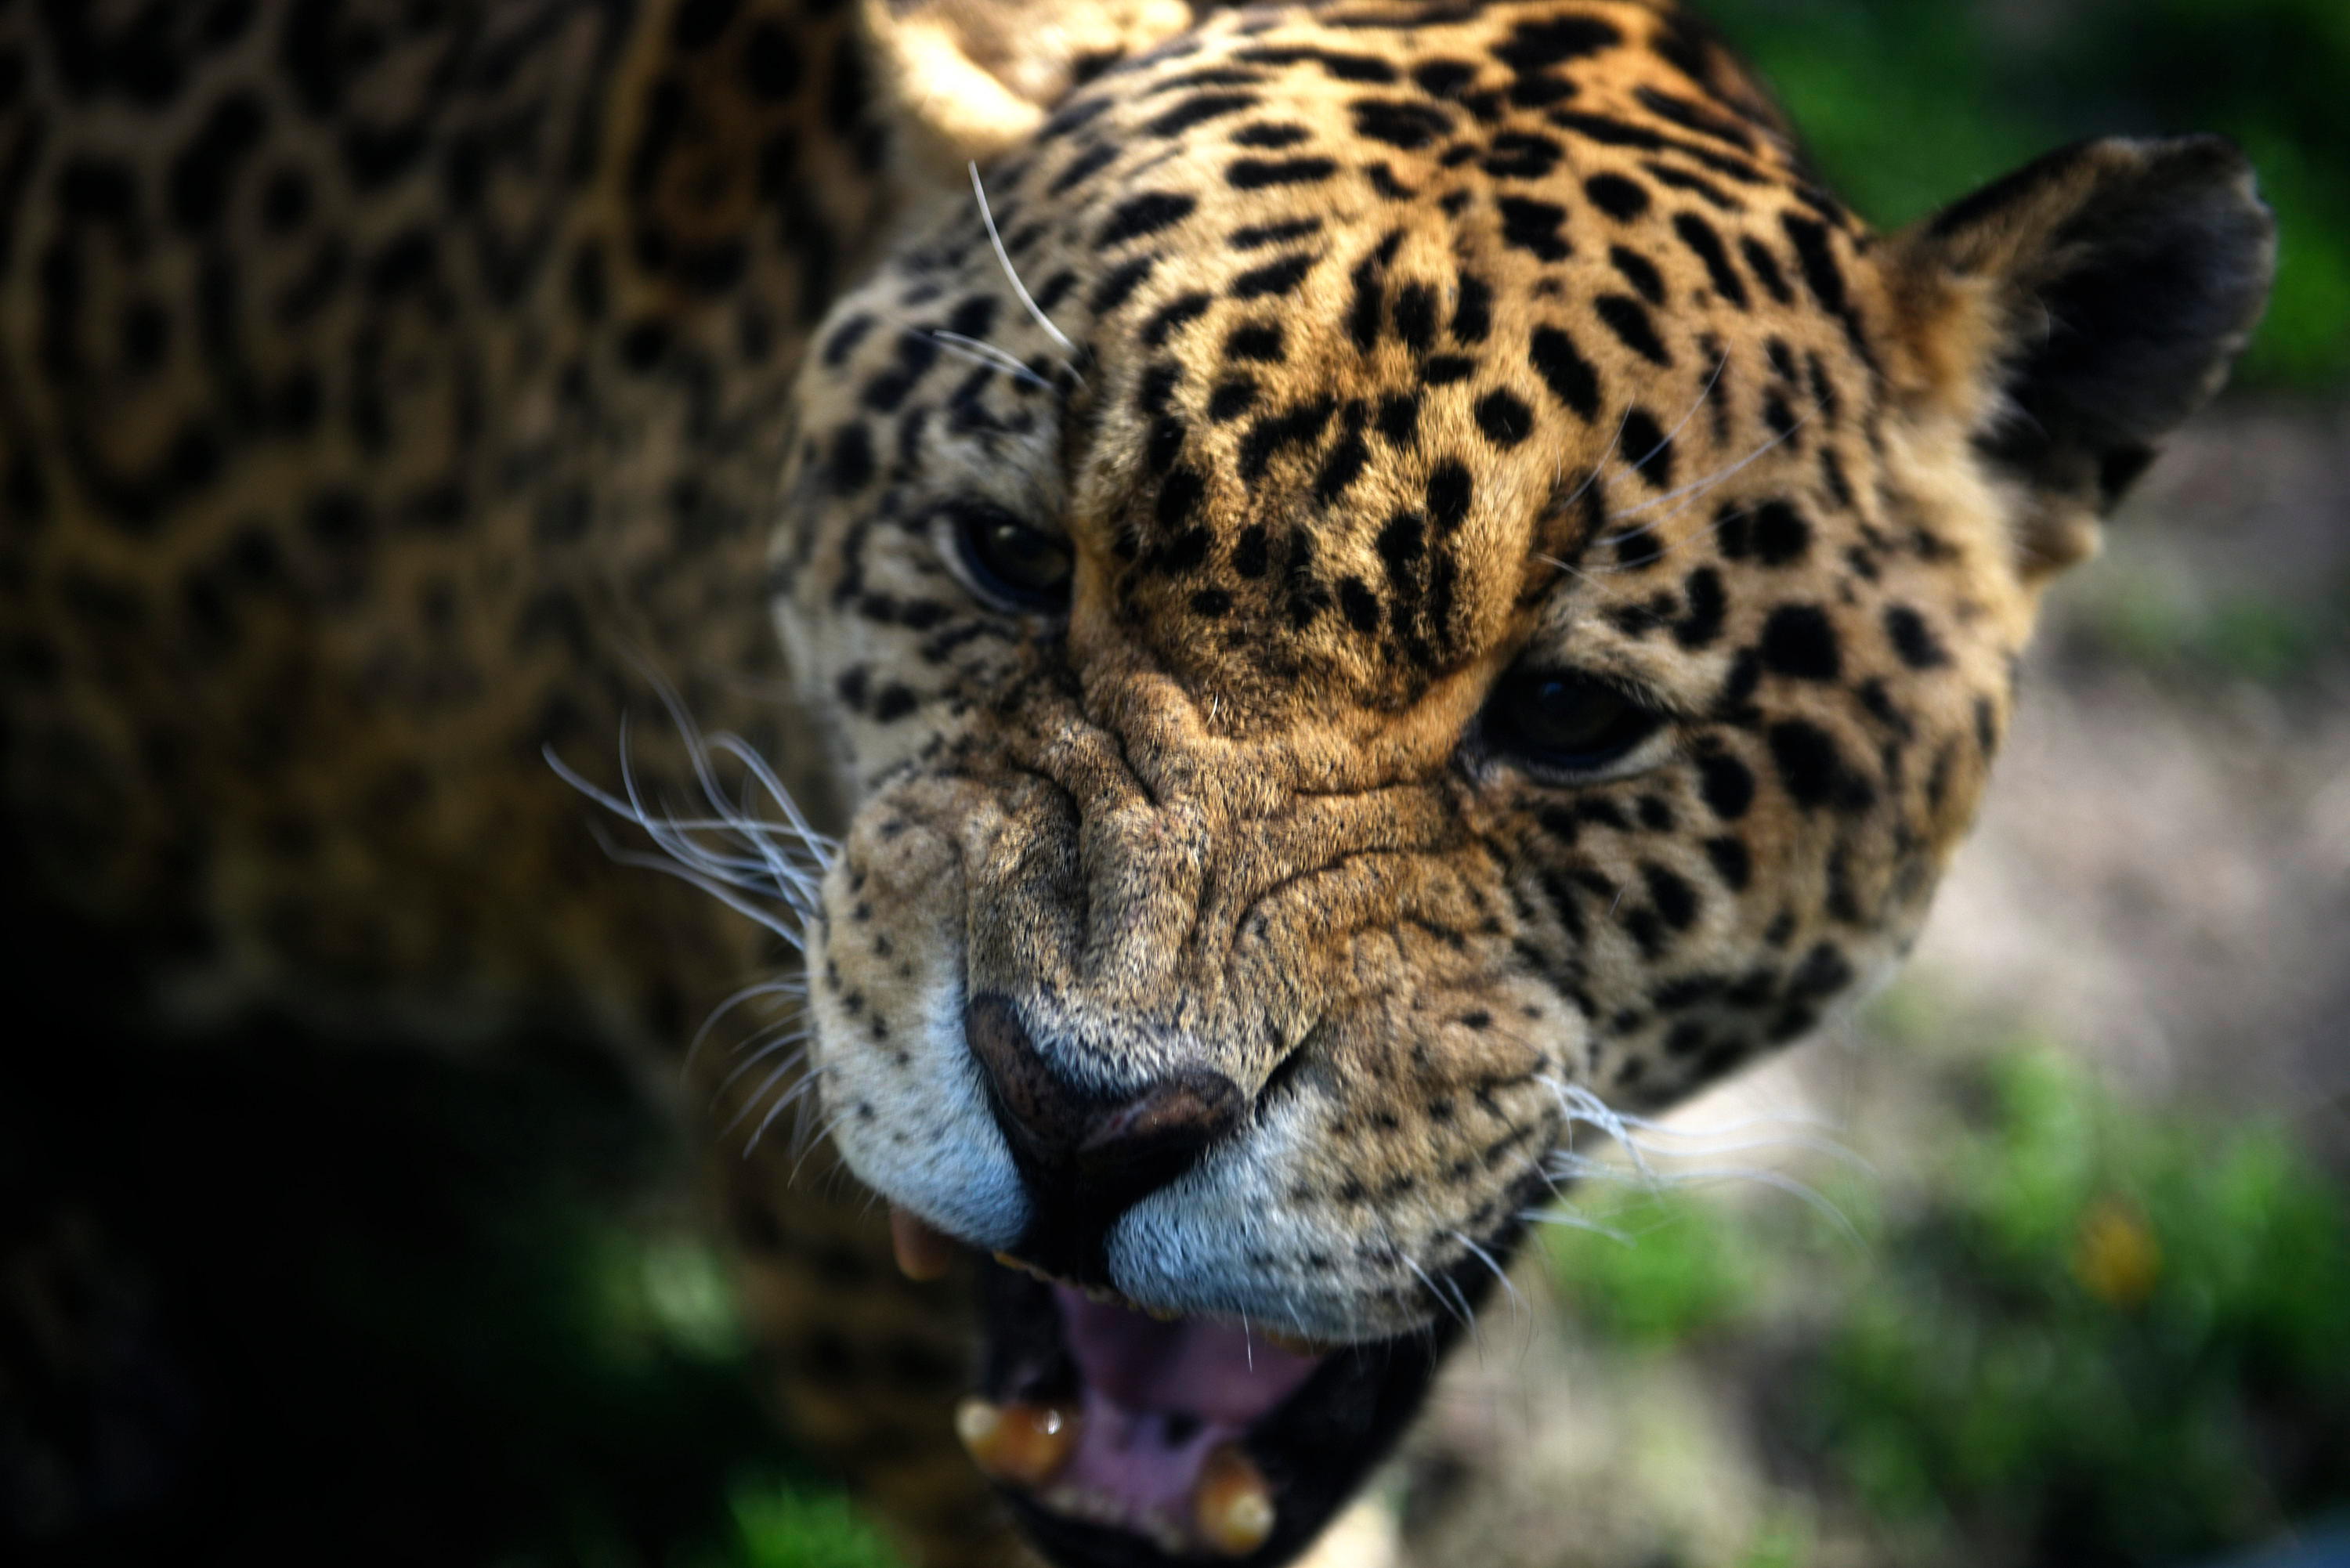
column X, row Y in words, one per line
column 1123, row 1439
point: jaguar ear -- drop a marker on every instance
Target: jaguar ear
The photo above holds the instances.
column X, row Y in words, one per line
column 2074, row 313
column 966, row 80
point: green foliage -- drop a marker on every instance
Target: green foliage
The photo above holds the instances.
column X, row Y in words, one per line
column 781, row 1526
column 2095, row 1336
column 1910, row 105
column 2188, row 631
column 2106, row 1336
column 1666, row 1273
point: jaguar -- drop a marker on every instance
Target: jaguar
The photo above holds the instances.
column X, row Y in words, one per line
column 1262, row 610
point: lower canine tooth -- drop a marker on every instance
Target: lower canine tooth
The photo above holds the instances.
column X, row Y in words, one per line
column 1233, row 1507
column 1023, row 1445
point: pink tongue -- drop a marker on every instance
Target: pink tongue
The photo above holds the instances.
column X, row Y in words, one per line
column 1211, row 1370
column 1158, row 1398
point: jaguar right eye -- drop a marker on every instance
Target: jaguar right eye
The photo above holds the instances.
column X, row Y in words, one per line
column 1564, row 722
column 1023, row 568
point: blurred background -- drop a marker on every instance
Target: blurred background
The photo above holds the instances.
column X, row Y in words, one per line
column 2042, row 1258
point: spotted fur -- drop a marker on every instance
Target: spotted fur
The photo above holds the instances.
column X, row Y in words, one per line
column 375, row 384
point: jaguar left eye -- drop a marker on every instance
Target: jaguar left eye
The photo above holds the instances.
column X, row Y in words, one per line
column 1023, row 568
column 1565, row 720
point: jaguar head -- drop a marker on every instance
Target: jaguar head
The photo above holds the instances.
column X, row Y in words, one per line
column 1391, row 580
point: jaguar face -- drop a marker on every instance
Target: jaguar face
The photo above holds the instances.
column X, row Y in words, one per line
column 1390, row 583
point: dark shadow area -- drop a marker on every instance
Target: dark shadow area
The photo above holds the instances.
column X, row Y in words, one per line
column 270, row 1300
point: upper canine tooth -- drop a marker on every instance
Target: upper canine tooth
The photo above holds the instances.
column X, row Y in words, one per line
column 923, row 1253
column 1023, row 1445
column 1233, row 1507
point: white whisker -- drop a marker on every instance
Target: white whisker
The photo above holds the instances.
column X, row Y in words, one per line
column 1004, row 259
column 751, row 1101
column 1704, row 394
column 1500, row 1273
column 979, row 353
column 1575, row 1222
column 716, row 890
column 797, row 1093
column 822, row 1133
column 1461, row 1316
column 783, row 1042
column 1700, row 486
column 762, row 988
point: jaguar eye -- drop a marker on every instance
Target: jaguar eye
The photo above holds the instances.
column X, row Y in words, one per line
column 1023, row 568
column 1557, row 719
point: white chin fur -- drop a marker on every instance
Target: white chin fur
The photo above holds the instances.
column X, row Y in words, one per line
column 1224, row 1240
column 931, row 1144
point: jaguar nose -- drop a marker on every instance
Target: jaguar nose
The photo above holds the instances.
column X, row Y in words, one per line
column 1086, row 1158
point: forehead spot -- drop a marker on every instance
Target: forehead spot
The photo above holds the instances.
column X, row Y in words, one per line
column 1271, row 137
column 1799, row 643
column 1170, row 315
column 1198, row 109
column 1813, row 769
column 1345, row 465
column 1415, row 317
column 1704, row 190
column 1639, row 272
column 1533, row 226
column 1472, row 314
column 1649, row 448
column 1257, row 342
column 1399, row 418
column 1276, row 279
column 1259, row 174
column 1301, row 426
column 1256, row 236
column 1726, row 785
column 1563, row 370
column 1231, row 398
column 1521, row 155
column 1400, row 122
column 1448, row 495
column 1116, row 288
column 1620, row 197
column 1731, row 862
column 1534, row 47
column 1251, row 554
column 1145, row 215
column 1764, row 265
column 1914, row 640
column 1443, row 78
column 1088, row 163
column 1702, row 241
column 1708, row 607
column 1504, row 418
column 1629, row 320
